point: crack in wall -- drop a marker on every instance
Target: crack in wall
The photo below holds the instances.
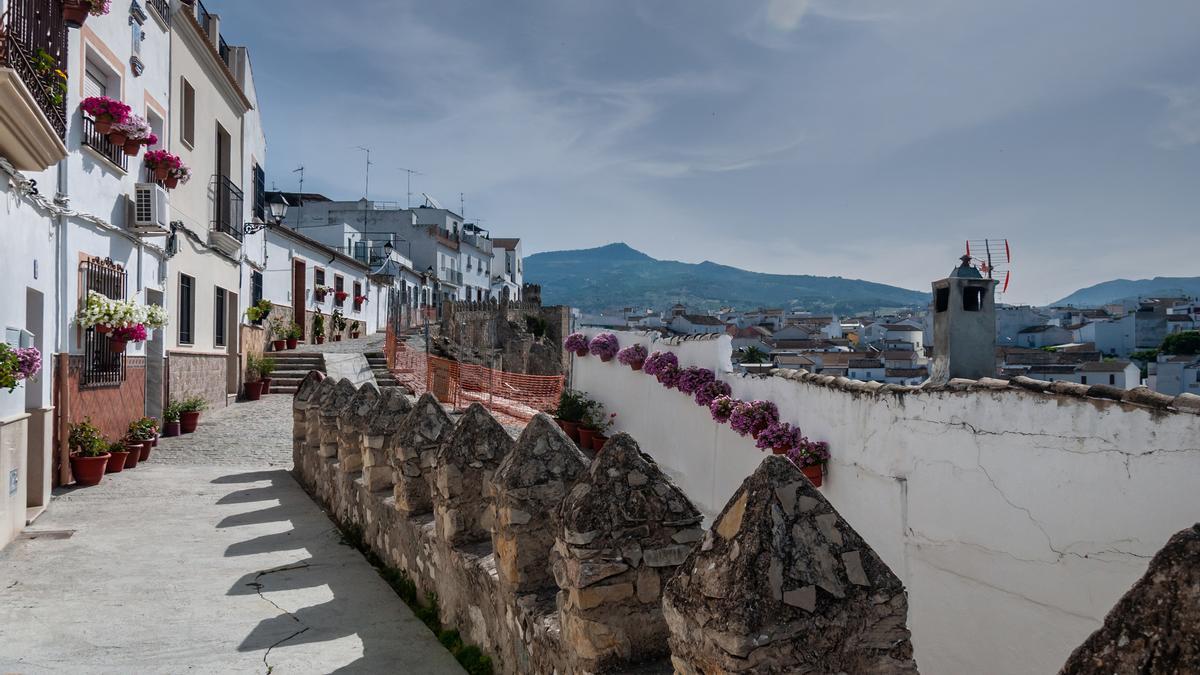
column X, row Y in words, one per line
column 258, row 588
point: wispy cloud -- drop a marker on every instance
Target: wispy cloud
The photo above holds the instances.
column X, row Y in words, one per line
column 1181, row 124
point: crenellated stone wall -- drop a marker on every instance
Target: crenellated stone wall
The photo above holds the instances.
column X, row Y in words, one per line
column 552, row 563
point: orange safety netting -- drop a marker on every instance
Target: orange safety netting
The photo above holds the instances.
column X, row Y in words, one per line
column 461, row 384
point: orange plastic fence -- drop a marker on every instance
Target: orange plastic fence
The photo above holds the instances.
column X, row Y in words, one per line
column 461, row 384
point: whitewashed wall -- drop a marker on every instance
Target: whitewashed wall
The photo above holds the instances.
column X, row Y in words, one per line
column 1015, row 519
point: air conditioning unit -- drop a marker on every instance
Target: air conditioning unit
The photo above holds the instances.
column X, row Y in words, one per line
column 150, row 210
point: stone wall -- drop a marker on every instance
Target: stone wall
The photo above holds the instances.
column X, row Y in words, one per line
column 203, row 375
column 495, row 334
column 1040, row 502
column 550, row 562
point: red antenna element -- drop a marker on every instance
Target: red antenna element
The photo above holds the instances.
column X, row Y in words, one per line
column 993, row 258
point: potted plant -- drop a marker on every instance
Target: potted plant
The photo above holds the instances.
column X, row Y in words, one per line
column 318, row 328
column 779, row 438
column 252, row 385
column 753, row 417
column 668, row 375
column 707, row 393
column 605, row 346
column 280, row 331
column 694, row 377
column 319, row 292
column 722, row 408
column 811, row 457
column 578, row 343
column 144, row 431
column 600, row 423
column 593, row 415
column 338, row 321
column 75, row 12
column 659, row 360
column 125, row 334
column 89, row 453
column 571, row 408
column 171, row 419
column 259, row 311
column 134, row 447
column 266, row 366
column 293, row 335
column 359, row 301
column 189, row 413
column 177, row 175
column 117, row 459
column 105, row 112
column 633, row 356
column 355, row 327
column 131, row 134
column 162, row 163
column 18, row 364
column 340, row 296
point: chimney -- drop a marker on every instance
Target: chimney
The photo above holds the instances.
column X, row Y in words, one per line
column 964, row 325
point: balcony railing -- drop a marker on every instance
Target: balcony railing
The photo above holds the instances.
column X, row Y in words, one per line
column 203, row 17
column 33, row 42
column 227, row 214
column 163, row 7
column 450, row 276
column 115, row 154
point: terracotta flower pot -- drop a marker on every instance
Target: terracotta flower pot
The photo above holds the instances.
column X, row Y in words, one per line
column 606, row 359
column 779, row 451
column 278, row 345
column 171, row 183
column 147, row 446
column 116, row 346
column 102, row 328
column 161, row 173
column 266, row 385
column 637, row 365
column 598, row 441
column 171, row 429
column 572, row 429
column 135, row 454
column 581, row 352
column 133, row 148
column 253, row 390
column 116, row 463
column 292, row 343
column 89, row 470
column 188, row 421
column 103, row 123
column 320, row 339
column 337, row 338
column 75, row 13
column 813, row 473
column 117, row 138
column 585, row 436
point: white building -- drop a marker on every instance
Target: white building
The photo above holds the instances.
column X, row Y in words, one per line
column 1036, row 337
column 1112, row 337
column 1122, row 374
column 695, row 324
column 1174, row 375
column 508, row 268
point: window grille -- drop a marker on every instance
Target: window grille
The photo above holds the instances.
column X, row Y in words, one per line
column 102, row 367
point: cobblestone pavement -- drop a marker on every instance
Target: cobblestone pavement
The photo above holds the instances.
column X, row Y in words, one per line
column 370, row 343
column 207, row 558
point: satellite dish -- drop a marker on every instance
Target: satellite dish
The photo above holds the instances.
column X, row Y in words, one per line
column 430, row 201
column 992, row 257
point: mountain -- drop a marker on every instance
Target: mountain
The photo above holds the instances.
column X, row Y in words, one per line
column 1122, row 289
column 616, row 276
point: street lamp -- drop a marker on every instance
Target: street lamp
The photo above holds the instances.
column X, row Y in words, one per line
column 278, row 206
column 387, row 249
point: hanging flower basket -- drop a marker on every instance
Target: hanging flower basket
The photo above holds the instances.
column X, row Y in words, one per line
column 578, row 343
column 171, row 182
column 633, row 356
column 161, row 173
column 133, row 148
column 107, row 112
column 117, row 138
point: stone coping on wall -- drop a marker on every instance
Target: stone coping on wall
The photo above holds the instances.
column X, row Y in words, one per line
column 1142, row 397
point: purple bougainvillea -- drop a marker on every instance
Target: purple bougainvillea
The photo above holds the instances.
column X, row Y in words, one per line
column 659, row 360
column 576, row 342
column 722, row 407
column 753, row 417
column 809, row 453
column 668, row 375
column 779, row 435
column 710, row 391
column 633, row 356
column 692, row 378
column 605, row 346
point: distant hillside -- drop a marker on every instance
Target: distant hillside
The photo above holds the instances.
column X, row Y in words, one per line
column 615, row 276
column 1121, row 289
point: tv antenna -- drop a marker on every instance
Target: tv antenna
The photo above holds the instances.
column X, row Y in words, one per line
column 367, row 185
column 410, row 173
column 300, row 170
column 430, row 201
column 992, row 257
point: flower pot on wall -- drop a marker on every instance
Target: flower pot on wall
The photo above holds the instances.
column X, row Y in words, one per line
column 116, row 463
column 75, row 13
column 813, row 473
column 188, row 421
column 133, row 148
column 171, row 183
column 637, row 365
column 161, row 173
column 89, row 470
column 581, row 352
column 117, row 138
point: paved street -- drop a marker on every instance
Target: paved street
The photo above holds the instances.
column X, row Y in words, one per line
column 207, row 559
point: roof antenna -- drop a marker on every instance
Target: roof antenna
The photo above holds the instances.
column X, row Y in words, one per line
column 410, row 173
column 300, row 171
column 462, row 206
column 367, row 184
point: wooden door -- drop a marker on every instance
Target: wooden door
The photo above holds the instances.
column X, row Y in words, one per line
column 298, row 272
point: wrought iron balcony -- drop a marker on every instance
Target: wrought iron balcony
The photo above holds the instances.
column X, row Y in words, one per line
column 163, row 7
column 449, row 276
column 33, row 86
column 226, row 232
column 115, row 154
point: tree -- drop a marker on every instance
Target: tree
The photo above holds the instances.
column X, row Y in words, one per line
column 1186, row 343
column 753, row 355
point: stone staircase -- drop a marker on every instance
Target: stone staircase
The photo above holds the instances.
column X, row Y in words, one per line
column 291, row 367
column 383, row 376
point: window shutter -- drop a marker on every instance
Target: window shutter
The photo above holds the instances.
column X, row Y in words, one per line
column 94, row 84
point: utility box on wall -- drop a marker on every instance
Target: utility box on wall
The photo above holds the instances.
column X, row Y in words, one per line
column 964, row 325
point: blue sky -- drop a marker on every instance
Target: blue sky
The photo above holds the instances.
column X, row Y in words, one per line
column 858, row 138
